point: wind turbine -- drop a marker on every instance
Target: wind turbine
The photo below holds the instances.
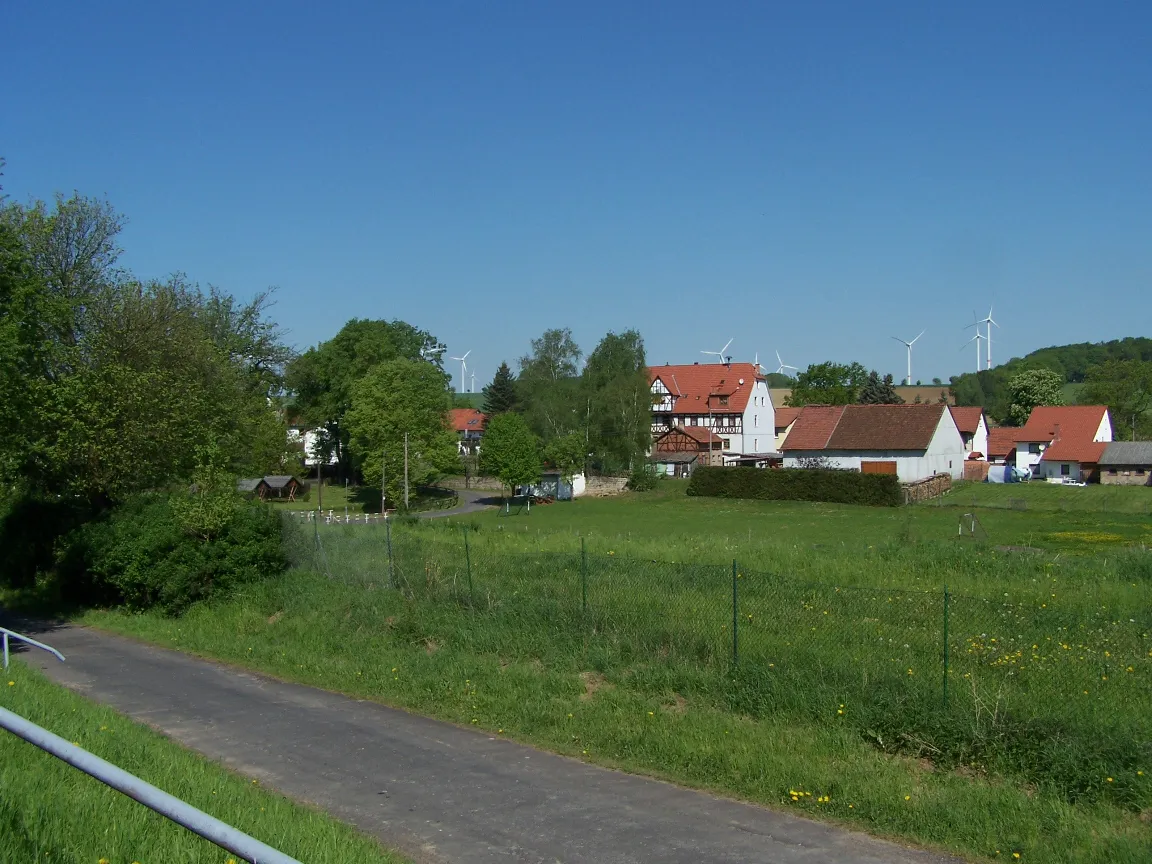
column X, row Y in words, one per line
column 719, row 353
column 975, row 339
column 780, row 369
column 463, row 368
column 988, row 323
column 472, row 389
column 909, row 345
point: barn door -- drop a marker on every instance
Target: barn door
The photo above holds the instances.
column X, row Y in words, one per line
column 877, row 467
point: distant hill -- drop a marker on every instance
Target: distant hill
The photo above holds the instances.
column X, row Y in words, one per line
column 468, row 400
column 990, row 387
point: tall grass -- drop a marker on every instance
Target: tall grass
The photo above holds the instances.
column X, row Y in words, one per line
column 52, row 812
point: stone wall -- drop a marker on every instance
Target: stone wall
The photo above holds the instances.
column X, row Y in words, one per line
column 603, row 487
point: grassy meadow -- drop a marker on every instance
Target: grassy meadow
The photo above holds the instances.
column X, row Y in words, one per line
column 834, row 685
column 51, row 812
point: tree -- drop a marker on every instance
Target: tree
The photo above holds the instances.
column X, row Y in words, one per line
column 511, row 452
column 619, row 401
column 1031, row 388
column 321, row 379
column 828, row 384
column 549, row 385
column 566, row 454
column 1125, row 386
column 397, row 397
column 500, row 395
column 879, row 391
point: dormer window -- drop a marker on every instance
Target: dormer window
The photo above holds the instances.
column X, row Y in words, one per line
column 723, row 400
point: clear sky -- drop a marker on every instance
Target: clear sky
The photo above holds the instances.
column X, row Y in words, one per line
column 809, row 177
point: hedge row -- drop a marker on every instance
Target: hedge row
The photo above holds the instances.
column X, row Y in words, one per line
column 797, row 484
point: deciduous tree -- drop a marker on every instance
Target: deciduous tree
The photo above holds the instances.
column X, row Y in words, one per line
column 510, row 451
column 1031, row 388
column 1125, row 386
column 619, row 399
column 828, row 384
column 549, row 385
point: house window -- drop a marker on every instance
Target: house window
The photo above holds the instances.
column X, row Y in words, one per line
column 1065, row 470
column 756, row 420
column 756, row 444
column 1112, row 472
column 726, row 443
column 723, row 400
column 1139, row 472
column 1033, row 448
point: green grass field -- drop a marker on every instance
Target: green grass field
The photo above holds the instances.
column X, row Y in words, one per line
column 51, row 812
column 625, row 656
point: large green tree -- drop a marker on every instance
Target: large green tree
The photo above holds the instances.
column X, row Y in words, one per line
column 619, row 401
column 500, row 395
column 549, row 385
column 1125, row 386
column 321, row 379
column 510, row 451
column 1032, row 388
column 828, row 384
column 879, row 391
column 395, row 398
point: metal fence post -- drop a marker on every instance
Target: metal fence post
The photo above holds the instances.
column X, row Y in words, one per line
column 388, row 536
column 468, row 564
column 735, row 617
column 583, row 579
column 945, row 688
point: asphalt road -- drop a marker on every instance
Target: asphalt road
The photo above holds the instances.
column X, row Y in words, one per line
column 438, row 792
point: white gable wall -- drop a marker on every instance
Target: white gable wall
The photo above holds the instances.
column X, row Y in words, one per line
column 759, row 423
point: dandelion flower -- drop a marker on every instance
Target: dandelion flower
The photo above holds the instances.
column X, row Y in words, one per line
column 1109, row 779
column 651, row 713
column 907, row 797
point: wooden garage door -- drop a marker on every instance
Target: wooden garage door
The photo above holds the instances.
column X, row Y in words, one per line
column 877, row 467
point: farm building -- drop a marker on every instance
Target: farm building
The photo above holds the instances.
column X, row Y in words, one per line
column 729, row 399
column 910, row 441
column 679, row 450
column 1127, row 463
column 469, row 424
column 973, row 426
column 1063, row 442
column 1002, row 445
column 785, row 418
column 274, row 487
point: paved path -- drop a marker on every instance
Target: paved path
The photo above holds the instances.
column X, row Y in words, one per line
column 471, row 501
column 435, row 791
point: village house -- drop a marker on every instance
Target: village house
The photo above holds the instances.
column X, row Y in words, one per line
column 729, row 399
column 1063, row 443
column 973, row 426
column 469, row 424
column 785, row 419
column 1002, row 445
column 1127, row 463
column 911, row 441
column 681, row 449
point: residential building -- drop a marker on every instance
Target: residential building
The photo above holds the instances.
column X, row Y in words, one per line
column 785, row 418
column 729, row 399
column 469, row 425
column 1127, row 463
column 973, row 426
column 679, row 450
column 1063, row 442
column 911, row 441
column 1002, row 445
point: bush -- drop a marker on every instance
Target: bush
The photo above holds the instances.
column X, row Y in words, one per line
column 144, row 557
column 797, row 484
column 644, row 478
column 32, row 532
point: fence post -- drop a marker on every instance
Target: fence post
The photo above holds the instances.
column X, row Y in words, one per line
column 391, row 568
column 583, row 579
column 468, row 563
column 735, row 617
column 945, row 689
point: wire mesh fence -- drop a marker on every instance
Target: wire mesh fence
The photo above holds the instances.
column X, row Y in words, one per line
column 962, row 679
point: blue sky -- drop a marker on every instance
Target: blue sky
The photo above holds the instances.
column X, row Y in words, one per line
column 810, row 177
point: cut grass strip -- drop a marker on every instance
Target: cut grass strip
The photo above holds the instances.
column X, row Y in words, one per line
column 52, row 812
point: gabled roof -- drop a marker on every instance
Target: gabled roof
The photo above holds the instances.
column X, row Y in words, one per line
column 886, row 427
column 1138, row 453
column 1001, row 441
column 1070, row 421
column 467, row 420
column 1074, row 450
column 695, row 387
column 700, row 434
column 279, row 481
column 967, row 419
column 248, row 484
column 785, row 417
column 813, row 427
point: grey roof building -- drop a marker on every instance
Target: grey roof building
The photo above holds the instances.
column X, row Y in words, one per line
column 1127, row 454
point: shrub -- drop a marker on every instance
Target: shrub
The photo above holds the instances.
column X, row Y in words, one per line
column 144, row 554
column 797, row 484
column 644, row 478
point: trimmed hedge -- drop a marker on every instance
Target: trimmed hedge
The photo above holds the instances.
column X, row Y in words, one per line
column 797, row 484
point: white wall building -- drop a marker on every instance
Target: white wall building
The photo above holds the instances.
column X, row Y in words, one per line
column 1058, row 441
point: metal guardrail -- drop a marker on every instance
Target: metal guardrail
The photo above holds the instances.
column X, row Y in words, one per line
column 196, row 821
column 12, row 634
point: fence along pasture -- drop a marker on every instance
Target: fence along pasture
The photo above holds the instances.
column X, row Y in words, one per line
column 948, row 676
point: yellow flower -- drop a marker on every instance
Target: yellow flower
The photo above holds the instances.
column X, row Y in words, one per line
column 1109, row 779
column 1015, row 854
column 651, row 713
column 907, row 797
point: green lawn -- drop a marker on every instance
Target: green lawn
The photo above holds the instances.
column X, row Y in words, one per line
column 1095, row 498
column 624, row 656
column 357, row 500
column 51, row 812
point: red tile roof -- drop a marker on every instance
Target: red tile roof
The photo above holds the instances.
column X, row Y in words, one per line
column 696, row 388
column 886, row 427
column 467, row 420
column 1048, row 422
column 785, row 417
column 813, row 427
column 967, row 419
column 700, row 433
column 1001, row 441
column 1074, row 450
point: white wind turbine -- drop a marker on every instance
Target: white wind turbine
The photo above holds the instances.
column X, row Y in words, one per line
column 909, row 345
column 719, row 353
column 472, row 389
column 975, row 339
column 988, row 323
column 463, row 369
column 782, row 366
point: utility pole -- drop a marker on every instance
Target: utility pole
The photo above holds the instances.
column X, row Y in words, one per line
column 320, row 485
column 405, row 470
column 383, row 486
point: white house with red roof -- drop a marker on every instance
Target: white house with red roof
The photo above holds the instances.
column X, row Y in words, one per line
column 468, row 423
column 973, row 426
column 1063, row 442
column 729, row 399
